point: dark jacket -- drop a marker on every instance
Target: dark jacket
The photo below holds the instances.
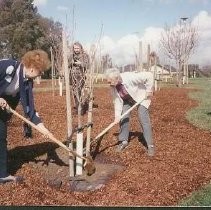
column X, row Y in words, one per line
column 8, row 70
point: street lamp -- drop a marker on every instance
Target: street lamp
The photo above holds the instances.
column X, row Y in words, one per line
column 184, row 19
column 185, row 64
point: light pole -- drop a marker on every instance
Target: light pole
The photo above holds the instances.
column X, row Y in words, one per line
column 183, row 21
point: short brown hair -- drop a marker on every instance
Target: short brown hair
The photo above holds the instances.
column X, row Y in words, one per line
column 37, row 59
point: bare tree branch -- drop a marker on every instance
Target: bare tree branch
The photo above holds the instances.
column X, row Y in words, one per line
column 178, row 43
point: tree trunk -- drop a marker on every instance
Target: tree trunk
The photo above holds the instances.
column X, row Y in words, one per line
column 179, row 75
column 140, row 57
column 52, row 72
column 89, row 129
column 60, row 86
column 79, row 142
column 68, row 103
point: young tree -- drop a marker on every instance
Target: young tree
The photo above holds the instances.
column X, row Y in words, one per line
column 55, row 40
column 52, row 39
column 178, row 43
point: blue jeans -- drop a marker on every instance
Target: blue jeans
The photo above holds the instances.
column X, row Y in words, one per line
column 4, row 117
column 144, row 119
column 3, row 148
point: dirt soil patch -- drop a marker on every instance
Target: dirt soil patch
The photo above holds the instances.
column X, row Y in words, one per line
column 182, row 161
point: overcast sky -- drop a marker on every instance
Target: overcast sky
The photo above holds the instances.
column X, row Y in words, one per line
column 126, row 22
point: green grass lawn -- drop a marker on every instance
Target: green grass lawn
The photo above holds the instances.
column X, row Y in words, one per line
column 200, row 116
column 198, row 198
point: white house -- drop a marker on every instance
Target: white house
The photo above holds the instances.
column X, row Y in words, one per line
column 160, row 70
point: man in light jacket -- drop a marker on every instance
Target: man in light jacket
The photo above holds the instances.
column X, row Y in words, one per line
column 127, row 89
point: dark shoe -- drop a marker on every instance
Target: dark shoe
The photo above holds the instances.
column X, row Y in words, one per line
column 95, row 106
column 10, row 178
column 122, row 146
column 151, row 150
column 27, row 131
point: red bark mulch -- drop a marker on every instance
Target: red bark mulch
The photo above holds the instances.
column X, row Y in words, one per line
column 182, row 161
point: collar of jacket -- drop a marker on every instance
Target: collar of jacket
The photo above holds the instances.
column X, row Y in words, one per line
column 8, row 69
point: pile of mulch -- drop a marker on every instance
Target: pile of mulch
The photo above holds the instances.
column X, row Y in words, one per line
column 181, row 165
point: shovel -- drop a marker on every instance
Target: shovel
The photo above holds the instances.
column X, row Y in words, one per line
column 88, row 164
column 114, row 123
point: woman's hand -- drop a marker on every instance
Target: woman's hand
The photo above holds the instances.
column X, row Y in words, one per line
column 3, row 104
column 78, row 62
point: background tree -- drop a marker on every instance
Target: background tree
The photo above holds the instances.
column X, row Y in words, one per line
column 53, row 38
column 106, row 62
column 22, row 28
column 19, row 29
column 178, row 43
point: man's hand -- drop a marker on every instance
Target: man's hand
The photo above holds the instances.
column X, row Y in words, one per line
column 3, row 104
column 149, row 95
column 117, row 120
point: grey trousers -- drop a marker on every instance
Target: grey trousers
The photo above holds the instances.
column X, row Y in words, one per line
column 144, row 119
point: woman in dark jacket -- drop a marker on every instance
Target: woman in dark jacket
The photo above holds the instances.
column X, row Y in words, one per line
column 79, row 63
column 16, row 83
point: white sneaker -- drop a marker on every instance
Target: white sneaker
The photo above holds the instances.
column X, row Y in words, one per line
column 122, row 146
column 151, row 150
column 11, row 178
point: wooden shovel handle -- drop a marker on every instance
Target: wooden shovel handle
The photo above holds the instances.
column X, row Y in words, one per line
column 113, row 123
column 105, row 130
column 43, row 132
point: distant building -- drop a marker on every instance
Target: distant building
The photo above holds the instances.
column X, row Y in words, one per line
column 163, row 72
